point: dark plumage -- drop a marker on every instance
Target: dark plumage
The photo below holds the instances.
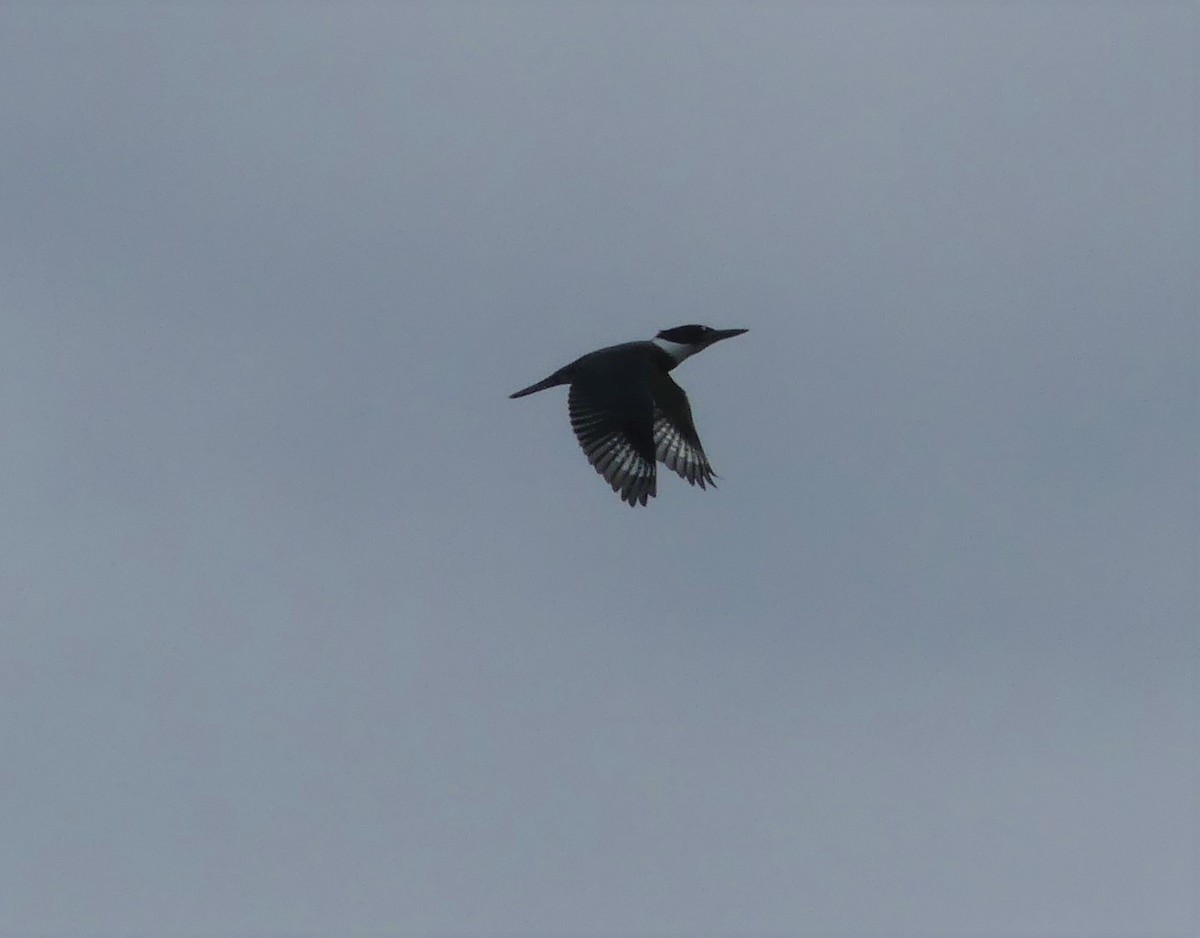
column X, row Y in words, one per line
column 627, row 412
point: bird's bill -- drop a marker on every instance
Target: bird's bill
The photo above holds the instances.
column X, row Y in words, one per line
column 728, row 333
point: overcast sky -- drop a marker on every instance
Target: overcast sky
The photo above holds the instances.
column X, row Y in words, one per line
column 306, row 628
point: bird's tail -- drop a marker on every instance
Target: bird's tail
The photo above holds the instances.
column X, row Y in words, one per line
column 559, row 377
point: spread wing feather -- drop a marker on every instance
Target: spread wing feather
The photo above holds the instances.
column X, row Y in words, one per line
column 676, row 442
column 625, row 426
column 616, row 432
column 674, row 450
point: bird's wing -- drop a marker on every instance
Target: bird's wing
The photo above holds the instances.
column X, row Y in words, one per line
column 614, row 423
column 676, row 442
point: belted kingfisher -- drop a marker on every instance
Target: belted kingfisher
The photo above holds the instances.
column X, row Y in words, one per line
column 627, row 411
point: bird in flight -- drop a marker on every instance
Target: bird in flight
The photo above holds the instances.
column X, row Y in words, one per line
column 627, row 411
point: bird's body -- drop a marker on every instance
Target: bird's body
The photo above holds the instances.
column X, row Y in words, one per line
column 627, row 411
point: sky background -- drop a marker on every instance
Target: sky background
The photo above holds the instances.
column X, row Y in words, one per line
column 306, row 628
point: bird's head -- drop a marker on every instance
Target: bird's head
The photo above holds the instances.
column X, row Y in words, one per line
column 684, row 341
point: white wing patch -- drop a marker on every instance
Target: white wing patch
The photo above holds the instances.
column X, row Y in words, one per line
column 678, row 454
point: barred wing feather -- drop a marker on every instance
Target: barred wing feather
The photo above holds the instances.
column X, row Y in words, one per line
column 673, row 449
column 676, row 442
column 621, row 450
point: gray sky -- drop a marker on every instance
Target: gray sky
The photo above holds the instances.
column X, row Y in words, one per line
column 306, row 627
